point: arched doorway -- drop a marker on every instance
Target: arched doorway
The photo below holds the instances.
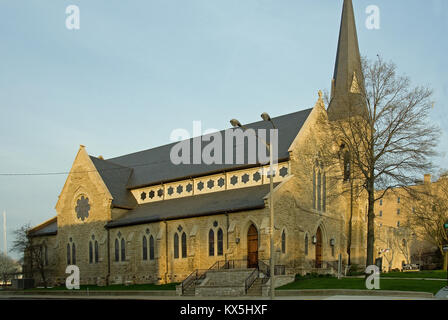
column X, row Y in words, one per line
column 318, row 248
column 252, row 247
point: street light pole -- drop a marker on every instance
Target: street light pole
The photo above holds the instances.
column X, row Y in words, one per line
column 271, row 207
column 235, row 123
column 446, row 252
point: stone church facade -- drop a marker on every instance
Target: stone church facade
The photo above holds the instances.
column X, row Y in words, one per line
column 139, row 218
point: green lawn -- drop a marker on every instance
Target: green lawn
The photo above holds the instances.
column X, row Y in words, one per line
column 170, row 286
column 432, row 286
column 436, row 274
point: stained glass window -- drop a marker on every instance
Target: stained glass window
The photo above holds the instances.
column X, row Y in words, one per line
column 184, row 245
column 123, row 250
column 117, row 250
column 220, row 242
column 96, row 252
column 82, row 208
column 145, row 248
column 90, row 252
column 176, row 246
column 211, row 243
column 68, row 254
column 151, row 248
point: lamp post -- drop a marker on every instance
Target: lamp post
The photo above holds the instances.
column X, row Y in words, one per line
column 235, row 123
column 445, row 249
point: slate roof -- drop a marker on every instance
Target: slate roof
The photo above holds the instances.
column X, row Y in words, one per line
column 116, row 178
column 193, row 206
column 47, row 229
column 154, row 166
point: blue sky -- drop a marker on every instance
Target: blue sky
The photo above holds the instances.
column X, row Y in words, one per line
column 136, row 70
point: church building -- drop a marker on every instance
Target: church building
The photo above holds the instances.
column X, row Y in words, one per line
column 139, row 218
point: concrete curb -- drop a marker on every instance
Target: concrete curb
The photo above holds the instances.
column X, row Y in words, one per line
column 172, row 293
column 84, row 293
column 346, row 292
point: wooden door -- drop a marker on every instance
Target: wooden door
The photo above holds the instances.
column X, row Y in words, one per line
column 318, row 248
column 252, row 247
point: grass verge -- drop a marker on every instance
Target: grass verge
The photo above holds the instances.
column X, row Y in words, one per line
column 431, row 286
column 435, row 274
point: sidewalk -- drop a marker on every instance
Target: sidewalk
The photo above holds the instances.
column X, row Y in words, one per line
column 333, row 294
column 398, row 278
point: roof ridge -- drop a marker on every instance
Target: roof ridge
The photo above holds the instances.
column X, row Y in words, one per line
column 110, row 162
column 172, row 143
column 43, row 224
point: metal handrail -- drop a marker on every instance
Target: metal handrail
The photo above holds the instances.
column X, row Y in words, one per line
column 199, row 274
column 251, row 279
column 192, row 277
column 264, row 268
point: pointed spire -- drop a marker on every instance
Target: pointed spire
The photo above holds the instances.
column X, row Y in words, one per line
column 348, row 79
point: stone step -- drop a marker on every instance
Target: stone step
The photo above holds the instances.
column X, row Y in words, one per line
column 256, row 288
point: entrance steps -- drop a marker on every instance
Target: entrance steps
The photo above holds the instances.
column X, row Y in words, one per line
column 256, row 290
column 227, row 279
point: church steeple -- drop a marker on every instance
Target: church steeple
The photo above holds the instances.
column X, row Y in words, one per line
column 348, row 80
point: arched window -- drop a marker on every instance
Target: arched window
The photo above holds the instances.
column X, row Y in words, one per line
column 145, row 248
column 211, row 243
column 68, row 254
column 117, row 250
column 90, row 252
column 184, row 245
column 123, row 250
column 45, row 255
column 347, row 166
column 314, row 189
column 220, row 242
column 306, row 244
column 96, row 252
column 151, row 248
column 283, row 242
column 73, row 253
column 176, row 246
column 324, row 193
column 319, row 189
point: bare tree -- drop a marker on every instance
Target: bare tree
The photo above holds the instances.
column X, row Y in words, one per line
column 401, row 238
column 35, row 257
column 386, row 245
column 8, row 267
column 385, row 138
column 430, row 212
